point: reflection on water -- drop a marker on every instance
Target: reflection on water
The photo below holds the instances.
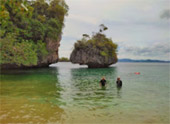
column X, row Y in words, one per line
column 119, row 92
column 70, row 94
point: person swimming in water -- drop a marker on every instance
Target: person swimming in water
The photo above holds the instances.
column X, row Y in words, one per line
column 103, row 82
column 119, row 82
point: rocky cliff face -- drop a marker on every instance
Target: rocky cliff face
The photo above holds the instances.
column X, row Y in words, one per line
column 52, row 57
column 92, row 57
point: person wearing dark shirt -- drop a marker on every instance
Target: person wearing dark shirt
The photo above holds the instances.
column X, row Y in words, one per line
column 103, row 82
column 119, row 82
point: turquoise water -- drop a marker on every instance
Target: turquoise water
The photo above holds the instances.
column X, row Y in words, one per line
column 71, row 94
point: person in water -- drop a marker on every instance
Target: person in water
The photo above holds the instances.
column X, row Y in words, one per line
column 103, row 82
column 119, row 82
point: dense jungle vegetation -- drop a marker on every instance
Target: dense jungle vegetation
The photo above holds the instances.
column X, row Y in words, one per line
column 25, row 27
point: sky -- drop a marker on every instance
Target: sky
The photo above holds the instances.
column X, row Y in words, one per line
column 141, row 28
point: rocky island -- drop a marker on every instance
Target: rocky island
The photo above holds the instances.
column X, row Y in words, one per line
column 96, row 51
column 30, row 32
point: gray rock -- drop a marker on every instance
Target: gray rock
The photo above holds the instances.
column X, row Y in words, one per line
column 91, row 56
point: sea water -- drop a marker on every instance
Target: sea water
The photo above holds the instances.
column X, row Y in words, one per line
column 70, row 94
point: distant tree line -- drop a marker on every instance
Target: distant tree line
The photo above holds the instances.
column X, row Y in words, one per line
column 64, row 59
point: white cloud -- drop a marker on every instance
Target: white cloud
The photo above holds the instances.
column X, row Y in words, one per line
column 161, row 49
column 84, row 19
column 135, row 23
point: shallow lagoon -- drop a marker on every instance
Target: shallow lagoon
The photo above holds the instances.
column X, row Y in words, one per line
column 70, row 94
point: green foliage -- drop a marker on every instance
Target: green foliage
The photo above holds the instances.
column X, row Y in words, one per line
column 64, row 59
column 57, row 9
column 80, row 44
column 102, row 28
column 36, row 30
column 51, row 15
column 25, row 26
column 41, row 49
column 98, row 41
column 103, row 53
column 19, row 53
column 53, row 28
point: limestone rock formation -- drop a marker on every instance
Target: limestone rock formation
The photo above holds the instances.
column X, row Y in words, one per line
column 97, row 51
column 91, row 57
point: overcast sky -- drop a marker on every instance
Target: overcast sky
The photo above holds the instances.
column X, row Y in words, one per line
column 141, row 28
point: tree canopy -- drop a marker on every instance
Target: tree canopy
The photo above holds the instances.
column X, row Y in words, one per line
column 25, row 27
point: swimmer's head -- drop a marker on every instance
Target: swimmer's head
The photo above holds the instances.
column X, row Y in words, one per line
column 103, row 77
